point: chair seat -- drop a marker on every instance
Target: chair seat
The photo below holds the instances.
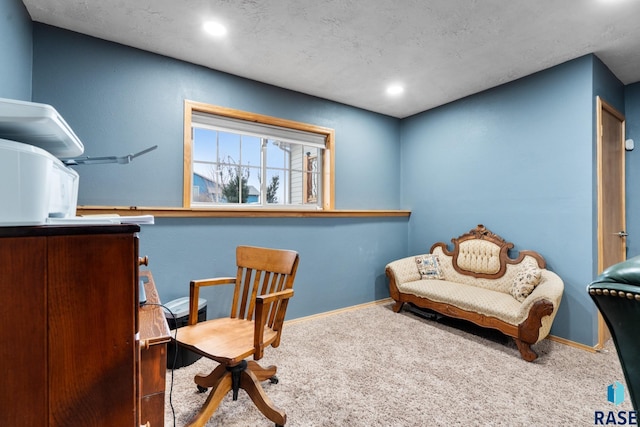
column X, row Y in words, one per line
column 226, row 340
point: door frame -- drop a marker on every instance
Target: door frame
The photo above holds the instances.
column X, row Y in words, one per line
column 601, row 105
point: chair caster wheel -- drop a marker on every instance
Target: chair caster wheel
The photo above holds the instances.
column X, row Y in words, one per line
column 202, row 389
column 274, row 380
column 278, row 425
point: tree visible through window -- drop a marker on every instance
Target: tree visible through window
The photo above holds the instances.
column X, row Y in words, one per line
column 255, row 162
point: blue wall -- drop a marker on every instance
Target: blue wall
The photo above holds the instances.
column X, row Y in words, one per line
column 607, row 86
column 341, row 260
column 119, row 100
column 518, row 159
column 632, row 114
column 16, row 47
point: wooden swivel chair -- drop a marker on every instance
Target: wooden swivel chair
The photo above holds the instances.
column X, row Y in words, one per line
column 263, row 287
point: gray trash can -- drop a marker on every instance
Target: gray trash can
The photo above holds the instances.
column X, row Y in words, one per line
column 180, row 317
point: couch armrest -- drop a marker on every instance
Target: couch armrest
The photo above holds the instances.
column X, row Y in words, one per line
column 551, row 288
column 403, row 270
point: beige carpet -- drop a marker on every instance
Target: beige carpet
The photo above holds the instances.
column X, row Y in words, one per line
column 373, row 367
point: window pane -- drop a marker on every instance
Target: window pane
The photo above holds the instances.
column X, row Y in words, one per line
column 234, row 184
column 204, row 141
column 276, row 187
column 251, row 147
column 297, row 177
column 253, row 185
column 304, row 175
column 238, row 174
column 228, row 148
column 311, row 177
column 277, row 154
column 204, row 155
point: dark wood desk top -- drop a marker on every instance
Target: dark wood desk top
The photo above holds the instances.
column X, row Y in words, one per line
column 64, row 230
column 153, row 324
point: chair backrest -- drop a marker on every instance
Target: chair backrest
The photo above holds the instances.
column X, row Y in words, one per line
column 263, row 271
column 616, row 293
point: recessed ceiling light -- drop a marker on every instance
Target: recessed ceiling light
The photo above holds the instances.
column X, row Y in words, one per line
column 216, row 29
column 395, row 89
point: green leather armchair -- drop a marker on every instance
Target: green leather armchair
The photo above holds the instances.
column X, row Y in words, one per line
column 616, row 293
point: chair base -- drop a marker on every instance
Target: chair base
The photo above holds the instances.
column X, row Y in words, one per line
column 246, row 376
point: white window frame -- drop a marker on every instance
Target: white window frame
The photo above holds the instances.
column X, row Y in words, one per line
column 203, row 115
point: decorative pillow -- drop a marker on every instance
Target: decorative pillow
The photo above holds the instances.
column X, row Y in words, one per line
column 525, row 281
column 429, row 267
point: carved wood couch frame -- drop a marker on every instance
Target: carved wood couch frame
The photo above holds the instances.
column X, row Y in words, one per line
column 478, row 275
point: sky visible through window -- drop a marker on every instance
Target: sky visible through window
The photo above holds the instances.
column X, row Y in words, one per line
column 243, row 150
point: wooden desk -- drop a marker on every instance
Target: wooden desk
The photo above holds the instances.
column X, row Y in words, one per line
column 68, row 338
column 154, row 336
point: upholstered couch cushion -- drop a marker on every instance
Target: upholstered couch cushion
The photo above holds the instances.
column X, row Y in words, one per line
column 467, row 297
column 502, row 284
column 479, row 256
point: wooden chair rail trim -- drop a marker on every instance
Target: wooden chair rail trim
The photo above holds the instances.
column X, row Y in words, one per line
column 178, row 212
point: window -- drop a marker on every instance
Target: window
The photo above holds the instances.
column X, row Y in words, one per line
column 235, row 159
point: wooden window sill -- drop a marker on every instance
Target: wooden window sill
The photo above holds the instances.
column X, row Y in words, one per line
column 169, row 212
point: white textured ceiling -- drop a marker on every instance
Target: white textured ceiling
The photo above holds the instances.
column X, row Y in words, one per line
column 349, row 50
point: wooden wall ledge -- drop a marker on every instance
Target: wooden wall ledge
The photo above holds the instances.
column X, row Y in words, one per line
column 169, row 212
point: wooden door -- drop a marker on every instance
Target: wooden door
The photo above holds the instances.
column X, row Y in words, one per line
column 611, row 193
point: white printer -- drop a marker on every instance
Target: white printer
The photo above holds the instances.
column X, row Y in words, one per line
column 35, row 185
